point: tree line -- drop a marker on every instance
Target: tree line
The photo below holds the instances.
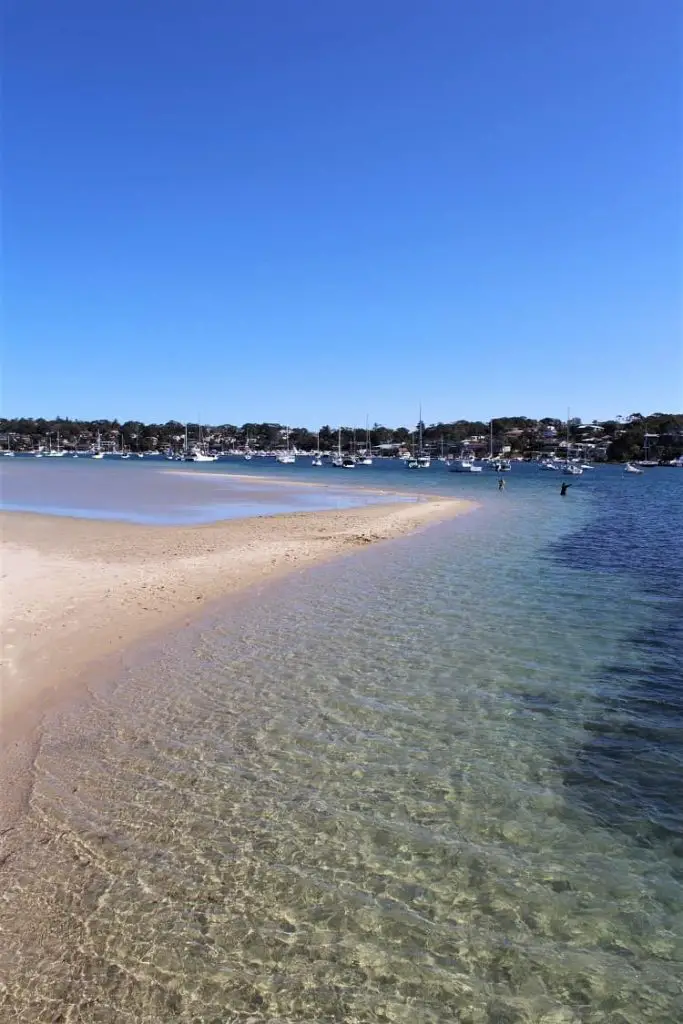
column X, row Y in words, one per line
column 626, row 436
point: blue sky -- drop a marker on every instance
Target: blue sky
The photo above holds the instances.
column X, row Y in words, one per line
column 306, row 212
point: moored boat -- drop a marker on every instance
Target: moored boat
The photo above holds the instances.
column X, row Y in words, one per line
column 463, row 464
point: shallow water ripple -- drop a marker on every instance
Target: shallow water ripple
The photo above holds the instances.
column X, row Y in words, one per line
column 371, row 794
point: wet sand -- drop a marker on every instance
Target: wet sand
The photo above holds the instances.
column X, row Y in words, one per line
column 74, row 592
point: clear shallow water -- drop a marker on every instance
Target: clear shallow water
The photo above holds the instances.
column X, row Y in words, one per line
column 157, row 492
column 439, row 780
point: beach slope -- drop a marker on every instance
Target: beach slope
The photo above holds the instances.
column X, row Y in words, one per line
column 75, row 591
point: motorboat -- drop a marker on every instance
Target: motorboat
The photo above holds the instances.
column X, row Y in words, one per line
column 630, row 468
column 463, row 465
column 195, row 455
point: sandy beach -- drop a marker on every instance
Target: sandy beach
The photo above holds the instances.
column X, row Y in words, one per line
column 77, row 591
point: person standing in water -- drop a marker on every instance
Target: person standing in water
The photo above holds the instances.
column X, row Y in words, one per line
column 564, row 488
column 501, row 484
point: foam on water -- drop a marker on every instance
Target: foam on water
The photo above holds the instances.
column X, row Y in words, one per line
column 372, row 792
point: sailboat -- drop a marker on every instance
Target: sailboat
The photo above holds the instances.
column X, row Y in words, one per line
column 646, row 462
column 97, row 452
column 247, row 451
column 349, row 461
column 286, row 457
column 198, row 452
column 500, row 464
column 316, row 460
column 337, row 460
column 366, row 460
column 570, row 468
column 421, row 460
column 491, row 463
column 54, row 453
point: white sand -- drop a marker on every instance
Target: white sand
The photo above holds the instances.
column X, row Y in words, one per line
column 74, row 591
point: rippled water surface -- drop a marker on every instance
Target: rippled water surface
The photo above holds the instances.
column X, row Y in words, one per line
column 440, row 780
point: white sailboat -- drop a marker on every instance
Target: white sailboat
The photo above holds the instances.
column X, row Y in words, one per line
column 570, row 468
column 646, row 462
column 286, row 458
column 316, row 460
column 337, row 460
column 500, row 464
column 489, row 460
column 198, row 452
column 421, row 460
column 366, row 459
column 98, row 453
column 54, row 453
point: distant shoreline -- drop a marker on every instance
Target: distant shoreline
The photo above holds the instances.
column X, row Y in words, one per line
column 77, row 591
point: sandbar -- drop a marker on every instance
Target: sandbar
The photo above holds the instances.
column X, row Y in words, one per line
column 76, row 591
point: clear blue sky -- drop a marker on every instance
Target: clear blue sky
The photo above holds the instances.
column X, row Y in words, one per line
column 306, row 210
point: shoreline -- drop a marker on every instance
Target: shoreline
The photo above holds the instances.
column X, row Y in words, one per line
column 78, row 592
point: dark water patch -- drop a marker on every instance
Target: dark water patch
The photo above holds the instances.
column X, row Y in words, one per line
column 628, row 771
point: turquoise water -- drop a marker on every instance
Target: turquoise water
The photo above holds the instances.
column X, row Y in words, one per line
column 438, row 780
